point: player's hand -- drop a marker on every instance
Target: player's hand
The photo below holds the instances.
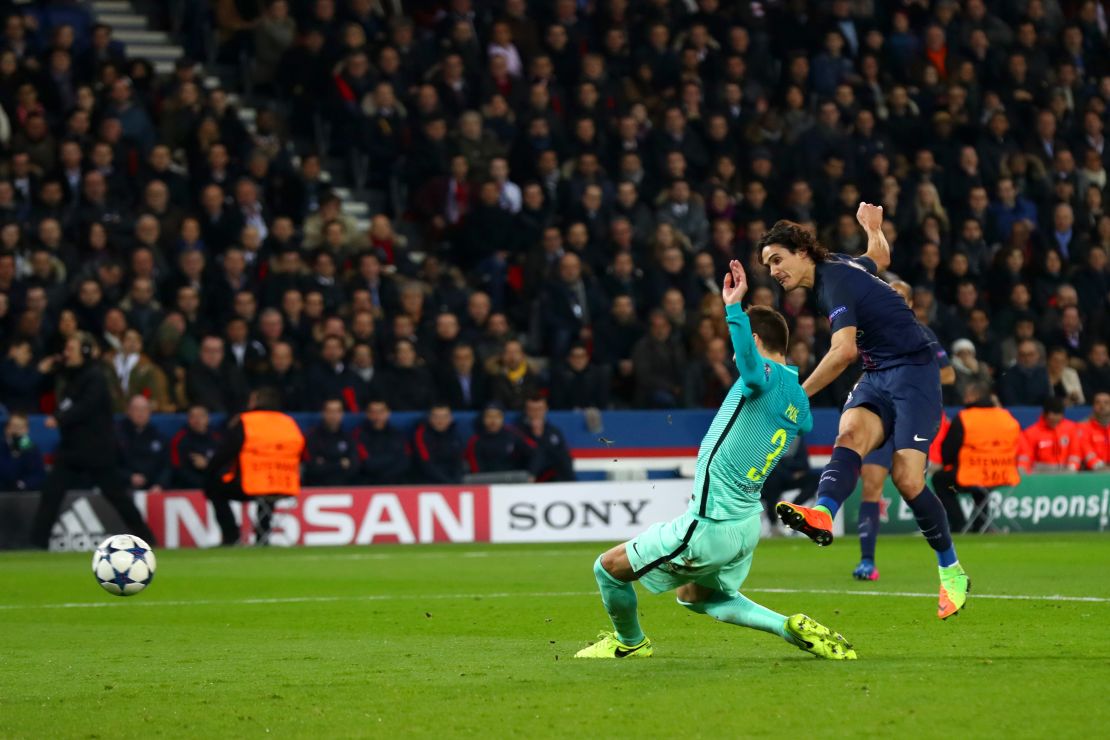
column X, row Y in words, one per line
column 870, row 217
column 735, row 283
column 50, row 422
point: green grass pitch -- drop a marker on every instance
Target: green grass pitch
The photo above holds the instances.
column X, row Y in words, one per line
column 448, row 641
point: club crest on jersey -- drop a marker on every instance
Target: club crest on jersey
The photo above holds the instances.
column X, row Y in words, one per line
column 767, row 370
column 837, row 311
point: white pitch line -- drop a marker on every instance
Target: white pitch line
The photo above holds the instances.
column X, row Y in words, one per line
column 535, row 594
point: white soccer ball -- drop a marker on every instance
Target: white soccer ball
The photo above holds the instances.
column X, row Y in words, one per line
column 123, row 565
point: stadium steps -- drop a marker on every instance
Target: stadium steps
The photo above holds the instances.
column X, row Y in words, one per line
column 132, row 30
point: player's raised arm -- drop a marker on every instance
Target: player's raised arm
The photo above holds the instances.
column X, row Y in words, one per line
column 748, row 360
column 841, row 354
column 878, row 249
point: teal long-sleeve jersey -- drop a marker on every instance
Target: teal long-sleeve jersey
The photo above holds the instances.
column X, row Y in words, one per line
column 762, row 413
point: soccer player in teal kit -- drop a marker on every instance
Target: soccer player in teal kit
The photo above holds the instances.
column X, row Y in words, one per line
column 706, row 553
column 898, row 396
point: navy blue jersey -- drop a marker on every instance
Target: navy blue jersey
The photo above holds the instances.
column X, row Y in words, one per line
column 937, row 347
column 887, row 332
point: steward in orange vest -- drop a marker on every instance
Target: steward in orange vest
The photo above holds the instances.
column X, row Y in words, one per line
column 259, row 456
column 980, row 452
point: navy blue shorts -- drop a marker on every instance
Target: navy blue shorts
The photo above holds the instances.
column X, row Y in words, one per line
column 907, row 398
column 882, row 455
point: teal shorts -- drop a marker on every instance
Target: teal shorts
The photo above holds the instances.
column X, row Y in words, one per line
column 714, row 554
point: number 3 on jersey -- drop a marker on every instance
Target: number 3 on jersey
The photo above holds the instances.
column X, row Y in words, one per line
column 778, row 439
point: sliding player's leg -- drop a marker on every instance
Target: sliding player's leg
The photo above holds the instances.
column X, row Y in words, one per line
column 614, row 577
column 717, row 594
column 646, row 558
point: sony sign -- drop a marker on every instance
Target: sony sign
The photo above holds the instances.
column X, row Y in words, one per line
column 583, row 512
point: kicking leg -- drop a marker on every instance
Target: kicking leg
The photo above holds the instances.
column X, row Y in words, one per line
column 909, row 477
column 873, row 478
column 861, row 431
column 614, row 576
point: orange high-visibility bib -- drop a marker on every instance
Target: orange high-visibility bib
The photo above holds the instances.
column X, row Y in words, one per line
column 270, row 461
column 988, row 456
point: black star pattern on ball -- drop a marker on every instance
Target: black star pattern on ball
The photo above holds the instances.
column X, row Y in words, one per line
column 139, row 553
column 121, row 579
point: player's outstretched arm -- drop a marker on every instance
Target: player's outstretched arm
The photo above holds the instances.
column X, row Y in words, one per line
column 878, row 249
column 748, row 360
column 841, row 354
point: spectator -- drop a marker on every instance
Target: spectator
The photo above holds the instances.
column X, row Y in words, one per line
column 551, row 461
column 135, row 374
column 1010, row 208
column 569, row 306
column 616, row 338
column 284, row 378
column 658, row 361
column 1052, row 443
column 709, row 379
column 329, row 450
column 408, row 382
column 144, row 455
column 968, row 368
column 1063, row 380
column 21, row 378
column 686, row 214
column 1026, row 383
column 462, row 385
column 494, row 447
column 214, row 383
column 513, row 378
column 437, row 449
column 1096, row 374
column 331, row 378
column 577, row 383
column 191, row 450
column 384, row 456
column 21, row 465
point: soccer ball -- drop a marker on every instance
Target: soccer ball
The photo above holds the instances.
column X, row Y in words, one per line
column 123, row 565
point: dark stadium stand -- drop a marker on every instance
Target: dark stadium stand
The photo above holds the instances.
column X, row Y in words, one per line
column 331, row 197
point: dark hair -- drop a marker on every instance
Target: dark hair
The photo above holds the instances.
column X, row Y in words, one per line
column 769, row 325
column 1053, row 405
column 267, row 399
column 792, row 237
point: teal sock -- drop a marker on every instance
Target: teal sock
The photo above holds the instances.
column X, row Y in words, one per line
column 619, row 599
column 739, row 609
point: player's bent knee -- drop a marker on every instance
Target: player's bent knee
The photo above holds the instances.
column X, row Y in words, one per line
column 909, row 482
column 615, row 563
column 697, row 607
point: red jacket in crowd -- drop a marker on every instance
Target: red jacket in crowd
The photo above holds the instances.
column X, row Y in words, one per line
column 1046, row 445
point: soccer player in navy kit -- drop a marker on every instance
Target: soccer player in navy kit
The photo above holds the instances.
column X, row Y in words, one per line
column 898, row 395
column 877, row 464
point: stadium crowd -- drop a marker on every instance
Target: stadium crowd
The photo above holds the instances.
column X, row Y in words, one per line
column 557, row 189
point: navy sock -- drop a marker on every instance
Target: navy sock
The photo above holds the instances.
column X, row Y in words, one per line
column 933, row 523
column 838, row 480
column 868, row 529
